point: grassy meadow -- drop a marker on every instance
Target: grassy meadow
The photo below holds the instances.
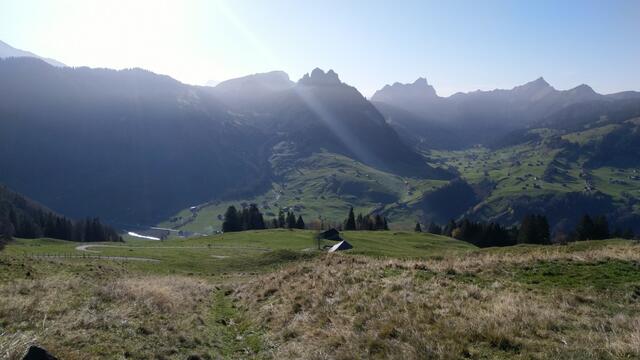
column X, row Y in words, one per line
column 272, row 295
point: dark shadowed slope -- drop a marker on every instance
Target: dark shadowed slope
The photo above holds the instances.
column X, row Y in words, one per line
column 24, row 218
column 125, row 145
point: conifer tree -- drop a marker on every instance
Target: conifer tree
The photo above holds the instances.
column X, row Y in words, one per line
column 359, row 219
column 378, row 224
column 418, row 228
column 434, row 229
column 534, row 229
column 350, row 224
column 600, row 228
column 300, row 222
column 231, row 221
column 368, row 223
column 291, row 220
column 244, row 219
column 628, row 234
column 585, row 228
column 448, row 229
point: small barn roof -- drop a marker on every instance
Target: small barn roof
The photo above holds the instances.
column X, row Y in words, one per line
column 331, row 234
column 342, row 245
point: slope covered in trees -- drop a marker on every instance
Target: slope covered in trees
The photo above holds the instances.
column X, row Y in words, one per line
column 250, row 218
column 23, row 218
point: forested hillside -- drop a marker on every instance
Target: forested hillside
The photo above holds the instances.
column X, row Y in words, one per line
column 24, row 218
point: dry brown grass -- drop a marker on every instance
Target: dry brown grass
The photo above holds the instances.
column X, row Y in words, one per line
column 480, row 260
column 112, row 318
column 344, row 307
column 334, row 307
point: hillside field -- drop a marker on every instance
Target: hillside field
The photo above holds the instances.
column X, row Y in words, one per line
column 556, row 164
column 265, row 294
column 321, row 186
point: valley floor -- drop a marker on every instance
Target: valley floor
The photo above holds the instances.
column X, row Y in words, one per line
column 271, row 294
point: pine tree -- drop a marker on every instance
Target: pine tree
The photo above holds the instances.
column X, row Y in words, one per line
column 418, row 228
column 6, row 229
column 300, row 222
column 628, row 234
column 434, row 229
column 232, row 221
column 350, row 224
column 368, row 223
column 359, row 219
column 544, row 235
column 534, row 229
column 600, row 228
column 243, row 217
column 527, row 231
column 255, row 221
column 385, row 225
column 448, row 229
column 378, row 224
column 281, row 219
column 291, row 220
column 585, row 228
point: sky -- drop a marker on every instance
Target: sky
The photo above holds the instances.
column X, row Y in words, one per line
column 457, row 45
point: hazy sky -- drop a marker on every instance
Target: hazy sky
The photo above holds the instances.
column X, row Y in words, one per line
column 456, row 45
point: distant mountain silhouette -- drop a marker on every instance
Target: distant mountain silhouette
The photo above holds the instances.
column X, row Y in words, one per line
column 255, row 84
column 320, row 112
column 251, row 90
column 406, row 94
column 7, row 51
column 478, row 117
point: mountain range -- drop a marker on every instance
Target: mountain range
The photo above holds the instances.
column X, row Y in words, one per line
column 134, row 147
column 479, row 117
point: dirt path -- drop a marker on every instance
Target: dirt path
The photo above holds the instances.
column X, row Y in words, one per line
column 87, row 246
column 123, row 258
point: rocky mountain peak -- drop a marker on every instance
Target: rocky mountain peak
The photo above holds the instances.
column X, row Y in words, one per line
column 319, row 77
column 419, row 90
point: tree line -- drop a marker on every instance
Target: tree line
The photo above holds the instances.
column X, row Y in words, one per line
column 38, row 223
column 366, row 222
column 533, row 229
column 250, row 218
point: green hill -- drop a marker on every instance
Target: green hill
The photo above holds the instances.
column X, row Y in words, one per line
column 321, row 186
column 561, row 174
